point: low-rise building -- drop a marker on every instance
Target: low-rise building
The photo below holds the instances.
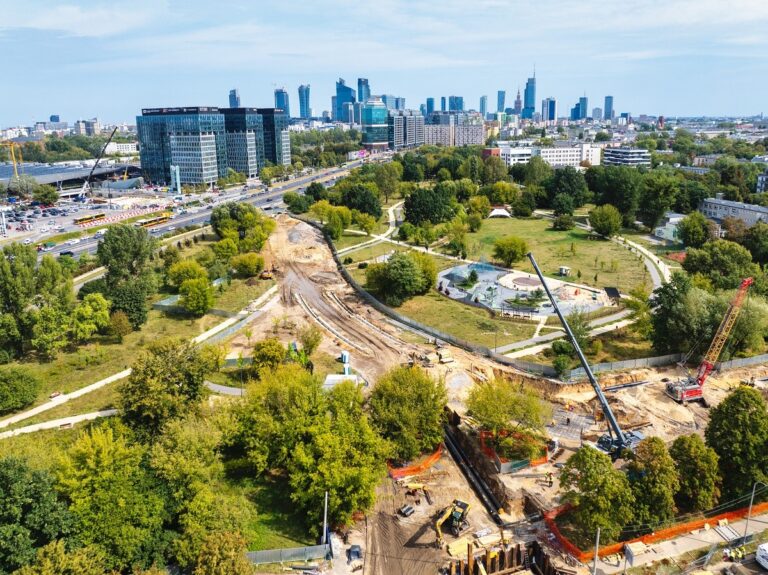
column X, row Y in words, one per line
column 123, row 148
column 762, row 182
column 558, row 156
column 667, row 230
column 635, row 157
column 719, row 209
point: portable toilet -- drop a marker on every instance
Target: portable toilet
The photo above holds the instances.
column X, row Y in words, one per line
column 345, row 357
column 347, row 370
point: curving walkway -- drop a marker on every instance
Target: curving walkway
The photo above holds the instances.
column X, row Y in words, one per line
column 392, row 224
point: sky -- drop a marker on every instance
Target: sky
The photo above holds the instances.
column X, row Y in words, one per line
column 109, row 59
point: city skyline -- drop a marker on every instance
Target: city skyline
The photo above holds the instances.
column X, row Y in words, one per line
column 107, row 62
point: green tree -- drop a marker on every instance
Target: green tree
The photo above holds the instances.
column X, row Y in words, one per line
column 267, row 355
column 18, row 388
column 658, row 195
column 563, row 223
column 166, row 383
column 725, row 263
column 562, row 205
column 248, row 265
column 387, row 178
column 310, row 337
column 185, row 270
column 197, row 296
column 131, row 299
column 124, row 250
column 602, row 137
column 225, row 249
column 600, row 495
column 397, row 280
column 366, row 222
column 46, row 195
column 223, row 554
column 407, row 408
column 498, row 405
column 654, row 480
column 479, row 205
column 114, row 500
column 561, row 364
column 242, row 223
column 738, row 433
column 428, row 205
column 568, row 181
column 443, row 175
column 89, row 316
column 509, row 250
column 456, row 233
column 756, row 241
column 119, row 325
column 363, row 198
column 31, row 513
column 494, row 170
column 605, row 220
column 49, row 335
column 54, row 559
column 537, row 171
column 693, row 230
column 698, row 472
column 22, row 186
column 619, row 186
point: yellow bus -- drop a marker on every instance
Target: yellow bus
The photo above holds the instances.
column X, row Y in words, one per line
column 150, row 222
column 89, row 218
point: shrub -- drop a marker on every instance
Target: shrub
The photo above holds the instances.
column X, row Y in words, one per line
column 248, row 265
column 18, row 388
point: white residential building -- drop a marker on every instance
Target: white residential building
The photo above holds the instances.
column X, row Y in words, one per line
column 558, row 156
column 718, row 209
column 667, row 230
column 126, row 148
column 439, row 134
column 627, row 157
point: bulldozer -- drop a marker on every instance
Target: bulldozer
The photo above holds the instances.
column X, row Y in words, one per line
column 456, row 515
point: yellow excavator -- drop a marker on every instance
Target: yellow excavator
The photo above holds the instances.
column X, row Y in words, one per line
column 456, row 514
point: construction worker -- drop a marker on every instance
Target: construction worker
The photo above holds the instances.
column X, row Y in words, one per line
column 550, row 478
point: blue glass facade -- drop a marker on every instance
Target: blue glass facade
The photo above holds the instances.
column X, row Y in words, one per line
column 245, row 140
column 277, row 140
column 483, row 105
column 305, row 110
column 501, row 98
column 430, row 106
column 608, row 113
column 583, row 107
column 363, row 90
column 375, row 124
column 529, row 99
column 344, row 95
column 282, row 102
column 234, row 98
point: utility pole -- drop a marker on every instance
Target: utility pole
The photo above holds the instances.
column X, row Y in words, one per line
column 325, row 520
column 749, row 513
column 597, row 546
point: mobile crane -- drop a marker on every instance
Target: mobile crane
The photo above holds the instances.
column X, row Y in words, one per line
column 457, row 514
column 87, row 184
column 616, row 440
column 692, row 388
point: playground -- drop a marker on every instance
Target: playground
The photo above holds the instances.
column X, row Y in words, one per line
column 515, row 293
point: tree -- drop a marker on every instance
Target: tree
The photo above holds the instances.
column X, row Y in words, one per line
column 223, row 554
column 22, row 186
column 474, row 222
column 605, row 220
column 89, row 316
column 443, row 175
column 693, row 230
column 428, row 205
column 479, row 205
column 131, row 299
column 114, row 500
column 734, row 228
column 31, row 513
column 756, row 241
column 397, row 280
column 267, row 355
column 725, row 263
column 619, row 186
column 49, row 334
column 363, row 198
column 654, row 480
column 310, row 337
column 185, row 270
column 497, row 405
column 698, row 473
column 456, row 234
column 568, row 181
column 166, row 383
column 600, row 495
column 407, row 408
column 494, row 170
column 46, row 195
column 248, row 265
column 225, row 249
column 119, row 325
column 124, row 250
column 537, row 171
column 316, row 192
column 54, row 559
column 18, row 388
column 502, row 192
column 242, row 223
column 366, row 222
column 562, row 205
column 197, row 296
column 602, row 137
column 509, row 250
column 563, row 223
column 658, row 195
column 738, row 433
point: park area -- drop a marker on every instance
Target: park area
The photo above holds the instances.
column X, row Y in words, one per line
column 593, row 262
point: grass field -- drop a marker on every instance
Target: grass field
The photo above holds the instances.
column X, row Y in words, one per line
column 40, row 449
column 374, row 251
column 347, row 240
column 611, row 263
column 660, row 250
column 618, row 345
column 238, row 295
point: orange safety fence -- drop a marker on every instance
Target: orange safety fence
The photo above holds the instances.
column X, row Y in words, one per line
column 655, row 537
column 490, row 452
column 416, row 468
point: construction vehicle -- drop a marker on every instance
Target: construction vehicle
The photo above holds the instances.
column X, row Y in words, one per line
column 16, row 158
column 616, row 440
column 87, row 184
column 692, row 388
column 456, row 513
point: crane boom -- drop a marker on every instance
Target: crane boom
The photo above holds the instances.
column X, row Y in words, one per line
column 87, row 183
column 619, row 440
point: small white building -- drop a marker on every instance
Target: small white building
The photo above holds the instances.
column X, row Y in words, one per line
column 667, row 230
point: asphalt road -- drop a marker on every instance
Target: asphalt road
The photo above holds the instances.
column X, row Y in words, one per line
column 272, row 197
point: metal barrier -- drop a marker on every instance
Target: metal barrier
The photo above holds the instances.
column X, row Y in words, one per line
column 291, row 554
column 628, row 364
column 742, row 362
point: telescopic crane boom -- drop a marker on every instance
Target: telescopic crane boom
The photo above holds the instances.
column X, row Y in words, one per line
column 616, row 440
column 87, row 184
column 692, row 388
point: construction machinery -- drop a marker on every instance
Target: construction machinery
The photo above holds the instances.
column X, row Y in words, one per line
column 16, row 158
column 692, row 387
column 456, row 513
column 87, row 184
column 616, row 440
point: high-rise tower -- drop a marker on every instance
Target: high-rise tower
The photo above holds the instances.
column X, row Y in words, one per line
column 529, row 101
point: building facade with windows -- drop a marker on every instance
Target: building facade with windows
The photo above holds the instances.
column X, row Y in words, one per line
column 282, row 102
column 375, row 124
column 608, row 112
column 635, row 157
column 363, row 90
column 501, row 98
column 405, row 129
column 719, row 209
column 277, row 139
column 305, row 110
column 549, row 110
column 244, row 129
column 344, row 95
column 529, row 99
column 234, row 98
column 762, row 182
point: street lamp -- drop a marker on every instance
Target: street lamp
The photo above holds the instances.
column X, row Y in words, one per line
column 749, row 513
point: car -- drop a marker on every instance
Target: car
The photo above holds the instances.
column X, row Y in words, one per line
column 67, row 254
column 27, row 241
column 73, row 242
column 761, row 555
column 171, row 228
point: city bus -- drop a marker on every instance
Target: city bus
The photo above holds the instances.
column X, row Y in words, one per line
column 150, row 222
column 90, row 218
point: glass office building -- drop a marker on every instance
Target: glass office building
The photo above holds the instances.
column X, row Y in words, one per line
column 344, row 95
column 244, row 129
column 529, row 99
column 305, row 111
column 375, row 124
column 282, row 102
column 363, row 90
column 277, row 140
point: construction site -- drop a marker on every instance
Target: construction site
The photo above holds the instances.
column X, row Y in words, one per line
column 463, row 510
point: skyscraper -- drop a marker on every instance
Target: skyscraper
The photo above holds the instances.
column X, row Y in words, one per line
column 501, row 98
column 529, row 102
column 456, row 103
column 399, row 103
column 597, row 114
column 430, row 106
column 344, row 95
column 375, row 128
column 608, row 113
column 576, row 112
column 234, row 98
column 363, row 90
column 583, row 107
column 244, row 129
column 305, row 111
column 518, row 109
column 483, row 105
column 281, row 101
column 442, row 104
column 277, row 140
column 548, row 110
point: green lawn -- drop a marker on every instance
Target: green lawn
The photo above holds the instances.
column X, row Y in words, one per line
column 104, row 357
column 41, row 449
column 660, row 250
column 618, row 345
column 373, row 251
column 239, row 294
column 347, row 240
column 555, row 248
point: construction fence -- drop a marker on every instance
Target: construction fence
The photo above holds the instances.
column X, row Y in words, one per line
column 416, row 468
column 292, row 554
column 670, row 359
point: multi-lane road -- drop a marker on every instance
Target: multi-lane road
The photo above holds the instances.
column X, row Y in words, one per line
column 268, row 200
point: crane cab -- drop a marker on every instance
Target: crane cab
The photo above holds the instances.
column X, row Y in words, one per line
column 685, row 390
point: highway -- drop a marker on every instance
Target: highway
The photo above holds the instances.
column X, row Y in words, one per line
column 271, row 198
